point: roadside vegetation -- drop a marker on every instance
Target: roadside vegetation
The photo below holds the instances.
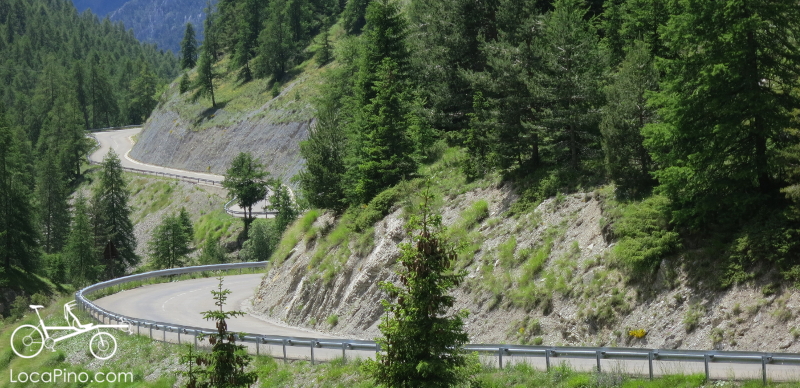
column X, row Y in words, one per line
column 155, row 365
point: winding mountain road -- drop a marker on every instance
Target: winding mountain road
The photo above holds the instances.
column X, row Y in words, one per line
column 121, row 141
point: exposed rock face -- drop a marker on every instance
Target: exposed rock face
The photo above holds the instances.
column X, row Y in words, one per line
column 739, row 318
column 167, row 141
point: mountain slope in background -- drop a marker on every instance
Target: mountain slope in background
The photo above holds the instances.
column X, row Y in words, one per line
column 98, row 7
column 154, row 21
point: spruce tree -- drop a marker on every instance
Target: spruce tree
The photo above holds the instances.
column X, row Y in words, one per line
column 80, row 253
column 324, row 152
column 382, row 150
column 143, row 99
column 573, row 71
column 421, row 345
column 204, row 84
column 727, row 97
column 188, row 48
column 627, row 161
column 281, row 201
column 18, row 237
column 275, row 43
column 354, row 15
column 169, row 243
column 111, row 197
column 225, row 365
column 52, row 195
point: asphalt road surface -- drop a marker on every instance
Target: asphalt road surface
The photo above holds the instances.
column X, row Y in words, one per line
column 183, row 302
column 121, row 141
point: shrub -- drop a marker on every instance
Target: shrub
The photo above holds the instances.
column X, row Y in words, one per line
column 692, row 317
column 717, row 335
column 378, row 207
column 333, row 320
column 643, row 235
column 19, row 307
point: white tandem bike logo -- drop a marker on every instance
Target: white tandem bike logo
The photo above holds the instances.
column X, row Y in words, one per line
column 27, row 341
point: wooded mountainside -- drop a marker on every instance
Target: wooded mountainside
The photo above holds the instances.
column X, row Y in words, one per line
column 687, row 105
column 63, row 73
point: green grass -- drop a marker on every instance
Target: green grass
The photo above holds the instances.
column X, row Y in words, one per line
column 150, row 194
column 216, row 225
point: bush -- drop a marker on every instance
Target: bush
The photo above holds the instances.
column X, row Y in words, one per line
column 692, row 317
column 333, row 320
column 379, row 207
column 19, row 307
column 643, row 235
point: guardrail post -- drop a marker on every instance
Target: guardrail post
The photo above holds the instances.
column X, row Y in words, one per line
column 179, row 336
column 137, row 327
column 764, row 370
column 500, row 357
column 284, row 351
column 313, row 344
column 598, row 354
column 258, row 341
column 547, row 359
column 195, row 339
column 706, row 359
column 164, row 334
column 344, row 357
column 650, row 363
column 151, row 331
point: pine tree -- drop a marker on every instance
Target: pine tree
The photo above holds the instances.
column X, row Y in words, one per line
column 727, row 98
column 246, row 182
column 275, row 44
column 18, row 237
column 188, row 48
column 627, row 161
column 324, row 153
column 325, row 51
column 383, row 154
column 186, row 221
column 212, row 252
column 169, row 244
column 204, row 84
column 422, row 346
column 354, row 15
column 143, row 99
column 225, row 365
column 281, row 201
column 80, row 253
column 184, row 84
column 52, row 195
column 262, row 238
column 572, row 78
column 382, row 151
column 111, row 197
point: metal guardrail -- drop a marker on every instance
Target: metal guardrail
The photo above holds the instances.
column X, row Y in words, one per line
column 114, row 128
column 499, row 350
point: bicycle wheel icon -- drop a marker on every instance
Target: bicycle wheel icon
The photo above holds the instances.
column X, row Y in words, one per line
column 27, row 341
column 103, row 345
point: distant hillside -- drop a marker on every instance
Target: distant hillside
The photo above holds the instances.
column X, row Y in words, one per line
column 161, row 21
column 153, row 21
column 98, row 7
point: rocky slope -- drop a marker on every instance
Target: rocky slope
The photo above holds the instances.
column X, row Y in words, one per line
column 248, row 118
column 578, row 297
